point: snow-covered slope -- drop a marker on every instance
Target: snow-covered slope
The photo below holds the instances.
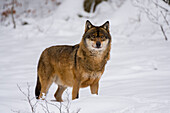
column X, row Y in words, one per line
column 136, row 79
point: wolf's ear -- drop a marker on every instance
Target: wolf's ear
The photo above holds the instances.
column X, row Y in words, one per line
column 88, row 25
column 106, row 26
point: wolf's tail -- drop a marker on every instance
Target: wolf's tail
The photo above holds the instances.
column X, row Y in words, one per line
column 38, row 88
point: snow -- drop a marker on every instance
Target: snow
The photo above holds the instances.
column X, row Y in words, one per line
column 136, row 78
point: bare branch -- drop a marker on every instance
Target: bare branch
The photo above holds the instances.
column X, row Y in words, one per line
column 63, row 108
column 68, row 103
column 156, row 13
column 164, row 16
column 46, row 109
column 28, row 98
column 78, row 110
column 15, row 111
column 53, row 104
column 21, row 90
column 160, row 6
column 163, row 32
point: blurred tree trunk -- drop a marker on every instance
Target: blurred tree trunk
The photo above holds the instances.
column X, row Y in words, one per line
column 90, row 5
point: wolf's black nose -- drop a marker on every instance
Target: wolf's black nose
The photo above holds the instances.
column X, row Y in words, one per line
column 98, row 44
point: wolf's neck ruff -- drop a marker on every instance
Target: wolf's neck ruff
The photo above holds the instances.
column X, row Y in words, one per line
column 91, row 61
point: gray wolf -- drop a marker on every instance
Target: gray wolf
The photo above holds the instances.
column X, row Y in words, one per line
column 77, row 66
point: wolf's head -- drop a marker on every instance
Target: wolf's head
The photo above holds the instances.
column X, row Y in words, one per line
column 97, row 38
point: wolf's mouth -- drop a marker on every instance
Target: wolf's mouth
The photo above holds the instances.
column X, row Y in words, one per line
column 96, row 47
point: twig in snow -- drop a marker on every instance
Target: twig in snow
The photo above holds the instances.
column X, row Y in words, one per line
column 28, row 98
column 163, row 32
column 46, row 109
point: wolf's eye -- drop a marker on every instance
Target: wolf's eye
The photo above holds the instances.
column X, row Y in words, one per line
column 101, row 36
column 88, row 36
column 106, row 37
column 103, row 39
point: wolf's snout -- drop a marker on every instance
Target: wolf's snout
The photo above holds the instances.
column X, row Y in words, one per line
column 98, row 44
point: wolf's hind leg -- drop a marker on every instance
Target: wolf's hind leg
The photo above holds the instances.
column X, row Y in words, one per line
column 46, row 77
column 46, row 81
column 45, row 85
column 59, row 92
column 94, row 88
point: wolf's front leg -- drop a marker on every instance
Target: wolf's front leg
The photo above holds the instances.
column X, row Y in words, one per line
column 75, row 91
column 94, row 88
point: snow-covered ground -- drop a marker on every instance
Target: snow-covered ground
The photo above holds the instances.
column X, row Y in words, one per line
column 136, row 79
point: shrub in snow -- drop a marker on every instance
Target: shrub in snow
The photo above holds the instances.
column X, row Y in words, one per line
column 157, row 11
column 25, row 9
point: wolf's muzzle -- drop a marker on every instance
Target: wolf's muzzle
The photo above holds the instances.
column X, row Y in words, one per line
column 98, row 44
